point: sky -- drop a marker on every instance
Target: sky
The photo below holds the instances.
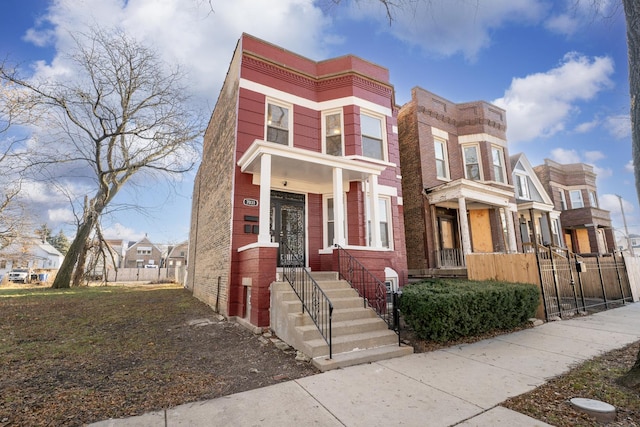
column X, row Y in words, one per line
column 559, row 68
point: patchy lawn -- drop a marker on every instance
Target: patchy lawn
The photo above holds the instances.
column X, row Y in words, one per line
column 69, row 357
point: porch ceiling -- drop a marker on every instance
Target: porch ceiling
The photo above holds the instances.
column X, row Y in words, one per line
column 477, row 195
column 296, row 164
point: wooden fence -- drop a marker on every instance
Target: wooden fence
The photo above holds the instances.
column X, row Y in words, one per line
column 568, row 284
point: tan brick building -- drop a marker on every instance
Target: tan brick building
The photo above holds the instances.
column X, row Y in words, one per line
column 458, row 194
column 585, row 226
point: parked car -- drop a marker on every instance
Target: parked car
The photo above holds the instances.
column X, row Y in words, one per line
column 19, row 275
column 151, row 266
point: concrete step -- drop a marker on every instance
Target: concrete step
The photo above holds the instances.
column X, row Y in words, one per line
column 347, row 327
column 339, row 315
column 341, row 344
column 290, row 295
column 342, row 360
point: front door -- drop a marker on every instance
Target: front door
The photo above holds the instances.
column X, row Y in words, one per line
column 287, row 227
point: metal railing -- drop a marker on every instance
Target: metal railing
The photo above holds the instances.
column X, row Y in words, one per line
column 374, row 293
column 453, row 257
column 314, row 301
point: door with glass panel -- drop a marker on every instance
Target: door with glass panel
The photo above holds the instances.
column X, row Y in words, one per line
column 288, row 227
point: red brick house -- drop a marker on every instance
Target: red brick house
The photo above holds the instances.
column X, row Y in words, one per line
column 299, row 151
column 459, row 198
column 586, row 227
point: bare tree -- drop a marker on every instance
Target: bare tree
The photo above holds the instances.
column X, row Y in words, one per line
column 125, row 113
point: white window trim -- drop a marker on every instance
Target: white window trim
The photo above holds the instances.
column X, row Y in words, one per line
column 502, row 163
column 563, row 200
column 579, row 192
column 383, row 130
column 324, row 129
column 325, row 222
column 389, row 220
column 464, row 161
column 593, row 199
column 445, row 152
column 289, row 108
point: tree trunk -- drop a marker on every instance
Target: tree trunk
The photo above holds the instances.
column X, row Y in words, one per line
column 632, row 378
column 77, row 247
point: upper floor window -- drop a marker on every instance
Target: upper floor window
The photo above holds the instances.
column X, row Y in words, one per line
column 563, row 200
column 593, row 199
column 278, row 122
column 333, row 133
column 442, row 163
column 522, row 187
column 576, row 199
column 497, row 157
column 143, row 250
column 372, row 136
column 471, row 162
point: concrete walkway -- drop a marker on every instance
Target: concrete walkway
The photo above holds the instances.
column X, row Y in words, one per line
column 456, row 386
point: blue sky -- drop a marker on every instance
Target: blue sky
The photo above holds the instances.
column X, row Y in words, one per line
column 559, row 68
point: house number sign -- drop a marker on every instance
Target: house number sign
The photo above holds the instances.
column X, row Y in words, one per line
column 250, row 202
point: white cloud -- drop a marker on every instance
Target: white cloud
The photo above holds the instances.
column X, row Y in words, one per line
column 563, row 24
column 575, row 14
column 60, row 215
column 448, row 27
column 619, row 126
column 188, row 32
column 119, row 231
column 611, row 203
column 587, row 127
column 540, row 104
column 564, row 156
column 593, row 156
column 629, row 166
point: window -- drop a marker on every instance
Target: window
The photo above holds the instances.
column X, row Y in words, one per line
column 442, row 164
column 522, row 186
column 471, row 163
column 593, row 199
column 576, row 199
column 143, row 250
column 278, row 123
column 384, row 214
column 330, row 221
column 372, row 137
column 498, row 164
column 333, row 134
column 563, row 201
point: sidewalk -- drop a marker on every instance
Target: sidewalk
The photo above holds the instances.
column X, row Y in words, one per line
column 459, row 386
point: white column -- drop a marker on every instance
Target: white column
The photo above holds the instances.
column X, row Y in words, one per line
column 264, row 235
column 338, row 208
column 374, row 215
column 511, row 236
column 464, row 226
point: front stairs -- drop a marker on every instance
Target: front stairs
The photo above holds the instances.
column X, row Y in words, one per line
column 359, row 335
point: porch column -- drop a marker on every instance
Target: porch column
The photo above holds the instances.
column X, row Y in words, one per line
column 464, row 225
column 264, row 224
column 338, row 208
column 374, row 215
column 511, row 235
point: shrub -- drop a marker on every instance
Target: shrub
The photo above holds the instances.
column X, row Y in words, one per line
column 444, row 310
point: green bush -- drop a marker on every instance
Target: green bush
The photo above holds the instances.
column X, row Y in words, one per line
column 444, row 310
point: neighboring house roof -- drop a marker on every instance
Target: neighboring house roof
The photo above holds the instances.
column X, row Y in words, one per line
column 175, row 251
column 520, row 165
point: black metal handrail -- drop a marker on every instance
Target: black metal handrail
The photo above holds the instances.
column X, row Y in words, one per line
column 374, row 293
column 314, row 300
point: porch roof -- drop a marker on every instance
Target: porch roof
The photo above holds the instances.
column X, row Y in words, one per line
column 477, row 195
column 292, row 164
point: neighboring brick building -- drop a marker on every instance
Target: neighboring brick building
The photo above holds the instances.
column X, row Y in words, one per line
column 177, row 255
column 301, row 152
column 538, row 219
column 458, row 198
column 586, row 227
column 141, row 254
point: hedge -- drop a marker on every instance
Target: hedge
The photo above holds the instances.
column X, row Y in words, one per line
column 444, row 310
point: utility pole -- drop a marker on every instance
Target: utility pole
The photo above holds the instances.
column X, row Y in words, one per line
column 626, row 230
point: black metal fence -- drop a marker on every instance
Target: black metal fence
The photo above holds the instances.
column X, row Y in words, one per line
column 573, row 284
column 377, row 295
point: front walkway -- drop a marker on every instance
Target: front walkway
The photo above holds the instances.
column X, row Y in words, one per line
column 460, row 385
